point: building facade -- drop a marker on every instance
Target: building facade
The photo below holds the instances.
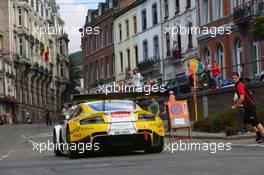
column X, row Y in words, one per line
column 33, row 83
column 98, row 47
column 179, row 44
column 138, row 40
column 7, row 73
column 237, row 51
column 159, row 37
column 126, row 40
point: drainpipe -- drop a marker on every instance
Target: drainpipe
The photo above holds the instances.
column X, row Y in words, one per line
column 199, row 24
column 162, row 51
column 198, row 12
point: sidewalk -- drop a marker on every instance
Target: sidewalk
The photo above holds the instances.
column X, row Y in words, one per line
column 205, row 135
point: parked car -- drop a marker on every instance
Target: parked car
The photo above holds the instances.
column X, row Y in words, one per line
column 179, row 85
column 260, row 76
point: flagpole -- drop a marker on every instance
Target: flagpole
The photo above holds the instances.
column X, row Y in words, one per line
column 195, row 97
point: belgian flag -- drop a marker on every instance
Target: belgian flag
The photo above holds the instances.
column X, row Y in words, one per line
column 46, row 53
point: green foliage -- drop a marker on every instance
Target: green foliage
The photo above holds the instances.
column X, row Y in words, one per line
column 75, row 62
column 220, row 121
column 217, row 122
column 76, row 58
column 260, row 112
column 257, row 28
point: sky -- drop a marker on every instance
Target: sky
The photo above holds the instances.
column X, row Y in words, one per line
column 73, row 12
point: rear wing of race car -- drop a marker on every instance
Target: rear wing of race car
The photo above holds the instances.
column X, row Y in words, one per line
column 134, row 96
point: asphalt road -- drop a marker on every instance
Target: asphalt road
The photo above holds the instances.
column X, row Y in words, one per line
column 18, row 158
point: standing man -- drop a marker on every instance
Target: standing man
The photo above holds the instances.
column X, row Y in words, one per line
column 171, row 97
column 66, row 111
column 250, row 115
column 240, row 112
column 48, row 119
column 136, row 77
column 154, row 107
column 206, row 75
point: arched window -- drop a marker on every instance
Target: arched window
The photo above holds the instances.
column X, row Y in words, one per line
column 256, row 57
column 207, row 54
column 238, row 61
column 220, row 55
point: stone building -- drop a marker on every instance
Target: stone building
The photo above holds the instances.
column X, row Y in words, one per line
column 32, row 83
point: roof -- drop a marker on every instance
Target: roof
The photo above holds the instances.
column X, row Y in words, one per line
column 117, row 96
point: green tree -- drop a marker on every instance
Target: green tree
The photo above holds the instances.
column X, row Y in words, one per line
column 75, row 64
column 257, row 28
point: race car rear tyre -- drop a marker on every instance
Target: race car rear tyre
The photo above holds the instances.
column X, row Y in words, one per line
column 155, row 149
column 57, row 147
column 72, row 154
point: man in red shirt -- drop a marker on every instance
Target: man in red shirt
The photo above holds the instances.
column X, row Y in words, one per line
column 246, row 99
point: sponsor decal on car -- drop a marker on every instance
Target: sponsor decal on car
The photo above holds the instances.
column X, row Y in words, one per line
column 122, row 128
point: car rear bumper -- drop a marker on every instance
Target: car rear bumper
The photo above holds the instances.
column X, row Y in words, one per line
column 131, row 141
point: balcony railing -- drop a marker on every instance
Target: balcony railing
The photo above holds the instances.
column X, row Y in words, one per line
column 175, row 56
column 149, row 65
column 247, row 10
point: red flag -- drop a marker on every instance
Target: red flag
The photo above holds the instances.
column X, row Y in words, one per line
column 46, row 53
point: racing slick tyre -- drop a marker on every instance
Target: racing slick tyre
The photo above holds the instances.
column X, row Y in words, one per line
column 57, row 146
column 72, row 154
column 155, row 149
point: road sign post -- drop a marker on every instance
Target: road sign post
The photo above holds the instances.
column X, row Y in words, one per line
column 194, row 66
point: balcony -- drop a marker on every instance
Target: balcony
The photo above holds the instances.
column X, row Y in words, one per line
column 10, row 75
column 21, row 61
column 63, row 81
column 23, row 31
column 128, row 76
column 174, row 57
column 149, row 65
column 34, row 68
column 16, row 58
column 246, row 11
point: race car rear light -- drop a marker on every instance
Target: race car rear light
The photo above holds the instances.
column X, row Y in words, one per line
column 146, row 117
column 94, row 120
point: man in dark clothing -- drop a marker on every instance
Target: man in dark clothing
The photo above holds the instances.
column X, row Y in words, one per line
column 250, row 116
column 48, row 119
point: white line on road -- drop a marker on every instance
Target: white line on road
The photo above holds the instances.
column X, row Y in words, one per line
column 6, row 155
column 99, row 165
column 46, row 134
column 248, row 145
column 28, row 139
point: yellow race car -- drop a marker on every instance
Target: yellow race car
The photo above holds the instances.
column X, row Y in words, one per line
column 101, row 125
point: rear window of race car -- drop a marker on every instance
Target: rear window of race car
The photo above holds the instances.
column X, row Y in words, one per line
column 112, row 105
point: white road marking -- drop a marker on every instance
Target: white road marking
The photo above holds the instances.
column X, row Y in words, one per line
column 28, row 139
column 99, row 165
column 249, row 145
column 6, row 155
column 46, row 134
